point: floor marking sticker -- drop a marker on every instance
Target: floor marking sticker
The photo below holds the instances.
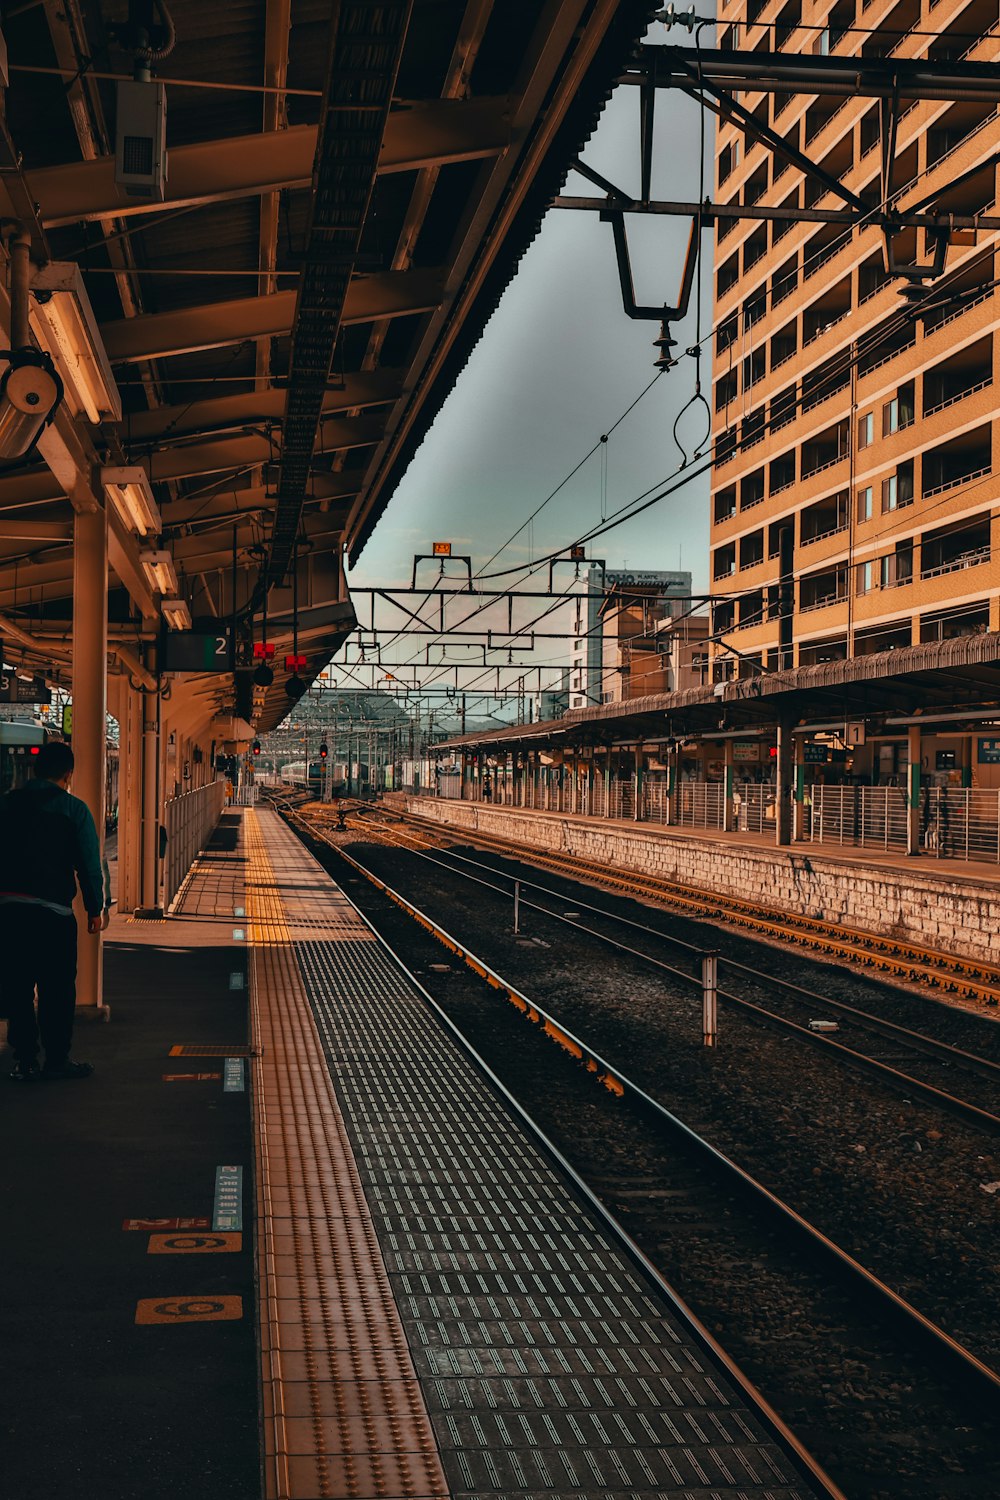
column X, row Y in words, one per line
column 191, row 1077
column 210, row 1050
column 194, row 1244
column 188, row 1309
column 232, row 1076
column 239, row 911
column 228, row 1211
column 239, row 933
column 199, row 1222
column 236, row 981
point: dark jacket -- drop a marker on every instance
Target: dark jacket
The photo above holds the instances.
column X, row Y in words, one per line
column 47, row 840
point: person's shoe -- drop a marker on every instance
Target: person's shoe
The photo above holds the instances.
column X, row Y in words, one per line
column 25, row 1072
column 56, row 1071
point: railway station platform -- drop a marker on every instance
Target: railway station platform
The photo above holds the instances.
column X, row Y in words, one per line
column 408, row 1299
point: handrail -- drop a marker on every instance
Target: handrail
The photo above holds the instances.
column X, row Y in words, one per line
column 952, row 484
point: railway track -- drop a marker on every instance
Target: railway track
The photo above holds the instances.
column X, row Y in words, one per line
column 891, row 1051
column 968, row 979
column 693, row 1187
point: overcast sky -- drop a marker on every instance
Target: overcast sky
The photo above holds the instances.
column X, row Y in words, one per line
column 558, row 364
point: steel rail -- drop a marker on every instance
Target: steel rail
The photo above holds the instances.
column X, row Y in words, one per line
column 895, row 1077
column 772, row 1422
column 980, row 1377
column 930, row 966
column 941, row 1051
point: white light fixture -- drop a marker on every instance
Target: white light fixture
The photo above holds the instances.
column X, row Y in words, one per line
column 63, row 321
column 159, row 568
column 129, row 491
column 176, row 613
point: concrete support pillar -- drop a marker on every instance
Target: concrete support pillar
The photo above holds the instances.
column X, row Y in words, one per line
column 90, row 654
column 639, row 771
column 150, row 797
column 913, row 790
column 729, row 815
column 607, row 782
column 783, row 789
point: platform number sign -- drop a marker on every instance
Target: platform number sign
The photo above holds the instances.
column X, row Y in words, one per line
column 15, row 690
column 194, row 651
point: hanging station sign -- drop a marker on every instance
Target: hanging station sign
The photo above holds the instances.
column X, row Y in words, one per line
column 14, row 689
column 192, row 651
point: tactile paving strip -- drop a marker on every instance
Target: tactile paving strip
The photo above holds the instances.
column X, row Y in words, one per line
column 548, row 1365
column 343, row 1411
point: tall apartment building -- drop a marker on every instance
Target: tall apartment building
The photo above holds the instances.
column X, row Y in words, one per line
column 613, row 606
column 861, row 415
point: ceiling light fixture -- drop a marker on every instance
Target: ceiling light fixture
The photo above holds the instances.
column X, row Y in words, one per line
column 160, row 570
column 63, row 321
column 176, row 613
column 129, row 491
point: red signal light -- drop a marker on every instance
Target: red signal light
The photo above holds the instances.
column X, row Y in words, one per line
column 34, row 749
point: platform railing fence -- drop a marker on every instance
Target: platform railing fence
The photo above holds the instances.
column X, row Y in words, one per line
column 188, row 821
column 955, row 822
column 700, row 804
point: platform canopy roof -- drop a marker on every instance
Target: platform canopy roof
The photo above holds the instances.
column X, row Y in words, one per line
column 351, row 184
column 957, row 678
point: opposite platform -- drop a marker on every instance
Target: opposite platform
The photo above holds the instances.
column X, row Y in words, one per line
column 440, row 1313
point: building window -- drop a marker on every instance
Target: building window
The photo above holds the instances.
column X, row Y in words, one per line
column 897, row 490
column 898, row 413
column 865, row 580
column 866, row 430
column 865, row 503
column 729, row 158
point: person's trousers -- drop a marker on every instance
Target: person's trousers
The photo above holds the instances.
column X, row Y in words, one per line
column 37, row 950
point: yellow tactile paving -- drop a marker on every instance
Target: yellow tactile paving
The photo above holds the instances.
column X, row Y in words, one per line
column 343, row 1411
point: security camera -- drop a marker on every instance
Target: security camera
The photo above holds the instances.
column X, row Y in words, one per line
column 30, row 393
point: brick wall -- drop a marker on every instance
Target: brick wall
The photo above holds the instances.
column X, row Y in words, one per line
column 914, row 906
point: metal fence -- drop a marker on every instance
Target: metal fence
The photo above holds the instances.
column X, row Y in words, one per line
column 244, row 795
column 700, row 804
column 188, row 821
column 868, row 816
column 961, row 823
column 955, row 822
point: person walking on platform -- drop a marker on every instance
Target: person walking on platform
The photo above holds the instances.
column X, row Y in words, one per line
column 47, row 840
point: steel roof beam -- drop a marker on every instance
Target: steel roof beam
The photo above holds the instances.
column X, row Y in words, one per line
column 388, row 294
column 786, row 72
column 220, row 413
column 416, row 135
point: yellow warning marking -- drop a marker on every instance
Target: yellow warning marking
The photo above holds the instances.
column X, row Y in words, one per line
column 194, row 1244
column 188, row 1309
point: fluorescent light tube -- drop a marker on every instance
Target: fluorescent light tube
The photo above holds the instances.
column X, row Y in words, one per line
column 129, row 491
column 159, row 568
column 63, row 321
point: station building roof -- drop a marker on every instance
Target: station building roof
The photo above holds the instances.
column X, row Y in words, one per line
column 957, row 678
column 350, row 189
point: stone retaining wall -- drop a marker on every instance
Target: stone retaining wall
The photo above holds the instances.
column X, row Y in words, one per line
column 913, row 905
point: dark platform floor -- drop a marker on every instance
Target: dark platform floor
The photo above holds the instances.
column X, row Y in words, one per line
column 92, row 1404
